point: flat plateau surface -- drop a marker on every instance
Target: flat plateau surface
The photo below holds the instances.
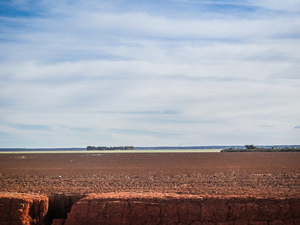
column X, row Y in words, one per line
column 218, row 174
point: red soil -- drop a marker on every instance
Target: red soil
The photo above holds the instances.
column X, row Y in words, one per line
column 22, row 209
column 126, row 209
column 218, row 174
column 179, row 188
column 159, row 209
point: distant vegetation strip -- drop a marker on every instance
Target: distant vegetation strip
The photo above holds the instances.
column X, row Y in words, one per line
column 252, row 148
column 159, row 148
column 104, row 148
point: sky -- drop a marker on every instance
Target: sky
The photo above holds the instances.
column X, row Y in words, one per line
column 149, row 73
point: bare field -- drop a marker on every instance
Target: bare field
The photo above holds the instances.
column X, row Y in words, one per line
column 242, row 174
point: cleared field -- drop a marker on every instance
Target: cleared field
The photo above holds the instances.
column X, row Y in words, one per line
column 262, row 174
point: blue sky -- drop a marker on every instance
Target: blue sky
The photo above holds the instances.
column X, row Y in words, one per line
column 149, row 73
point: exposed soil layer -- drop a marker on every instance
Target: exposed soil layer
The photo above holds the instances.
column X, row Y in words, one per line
column 125, row 209
column 151, row 208
column 20, row 209
column 217, row 174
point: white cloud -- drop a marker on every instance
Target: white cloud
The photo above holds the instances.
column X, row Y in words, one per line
column 87, row 74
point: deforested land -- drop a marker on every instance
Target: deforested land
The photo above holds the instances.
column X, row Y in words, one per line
column 108, row 187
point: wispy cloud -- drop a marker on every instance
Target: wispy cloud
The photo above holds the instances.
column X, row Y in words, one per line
column 31, row 127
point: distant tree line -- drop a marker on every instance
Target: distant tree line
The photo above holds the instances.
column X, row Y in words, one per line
column 252, row 148
column 101, row 148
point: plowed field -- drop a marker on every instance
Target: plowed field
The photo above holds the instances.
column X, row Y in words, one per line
column 242, row 174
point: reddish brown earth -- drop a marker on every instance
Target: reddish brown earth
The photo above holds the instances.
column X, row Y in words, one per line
column 258, row 174
column 125, row 209
column 153, row 208
column 19, row 209
column 246, row 188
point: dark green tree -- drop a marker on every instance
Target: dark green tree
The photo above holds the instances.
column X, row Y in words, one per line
column 250, row 147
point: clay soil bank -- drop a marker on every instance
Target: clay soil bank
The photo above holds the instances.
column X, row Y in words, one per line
column 212, row 174
column 132, row 209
